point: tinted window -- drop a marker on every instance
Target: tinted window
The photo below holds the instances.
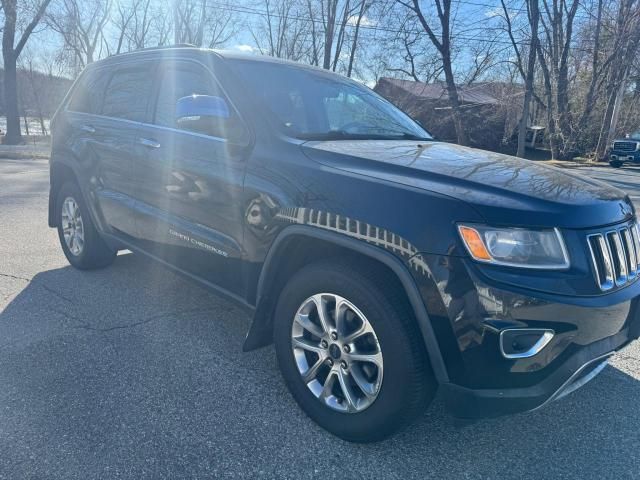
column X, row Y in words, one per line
column 88, row 94
column 178, row 82
column 184, row 80
column 127, row 94
column 312, row 104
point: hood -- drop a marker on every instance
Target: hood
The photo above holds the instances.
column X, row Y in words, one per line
column 503, row 189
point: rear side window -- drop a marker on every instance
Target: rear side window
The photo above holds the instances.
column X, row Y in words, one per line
column 88, row 94
column 127, row 94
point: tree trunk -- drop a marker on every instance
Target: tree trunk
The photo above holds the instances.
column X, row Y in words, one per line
column 528, row 83
column 354, row 44
column 332, row 7
column 615, row 114
column 13, row 135
column 454, row 100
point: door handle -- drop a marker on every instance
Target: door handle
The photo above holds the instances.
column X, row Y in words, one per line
column 88, row 129
column 149, row 143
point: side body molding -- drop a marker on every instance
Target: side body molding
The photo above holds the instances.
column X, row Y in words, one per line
column 261, row 332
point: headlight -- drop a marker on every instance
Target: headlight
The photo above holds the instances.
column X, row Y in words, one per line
column 515, row 247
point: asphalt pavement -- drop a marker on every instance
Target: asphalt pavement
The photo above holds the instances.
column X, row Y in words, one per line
column 134, row 372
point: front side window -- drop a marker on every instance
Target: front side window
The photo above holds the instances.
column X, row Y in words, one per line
column 127, row 93
column 191, row 80
column 311, row 104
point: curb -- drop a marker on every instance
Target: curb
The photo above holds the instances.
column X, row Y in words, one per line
column 23, row 156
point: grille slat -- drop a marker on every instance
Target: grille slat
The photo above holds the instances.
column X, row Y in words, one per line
column 635, row 234
column 630, row 249
column 616, row 256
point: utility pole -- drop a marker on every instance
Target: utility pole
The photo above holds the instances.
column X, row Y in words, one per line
column 616, row 109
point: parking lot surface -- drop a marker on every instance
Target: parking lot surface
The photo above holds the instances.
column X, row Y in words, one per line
column 626, row 178
column 133, row 372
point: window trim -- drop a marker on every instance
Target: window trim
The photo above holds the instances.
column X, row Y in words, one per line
column 250, row 137
column 144, row 124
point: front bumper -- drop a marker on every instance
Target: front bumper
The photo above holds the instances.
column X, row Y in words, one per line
column 572, row 374
column 622, row 156
column 468, row 311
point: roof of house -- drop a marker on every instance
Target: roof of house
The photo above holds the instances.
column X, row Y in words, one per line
column 483, row 93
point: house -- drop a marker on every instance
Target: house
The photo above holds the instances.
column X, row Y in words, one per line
column 491, row 110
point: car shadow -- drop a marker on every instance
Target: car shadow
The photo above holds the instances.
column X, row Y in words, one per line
column 134, row 371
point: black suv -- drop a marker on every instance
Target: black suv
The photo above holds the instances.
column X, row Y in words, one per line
column 385, row 266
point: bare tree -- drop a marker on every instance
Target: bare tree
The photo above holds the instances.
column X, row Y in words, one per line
column 362, row 11
column 36, row 87
column 553, row 55
column 528, row 73
column 409, row 52
column 140, row 24
column 11, row 52
column 81, row 24
column 330, row 20
column 626, row 30
column 283, row 31
column 443, row 45
column 200, row 23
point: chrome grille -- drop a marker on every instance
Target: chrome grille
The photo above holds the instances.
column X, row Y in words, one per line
column 616, row 256
column 625, row 146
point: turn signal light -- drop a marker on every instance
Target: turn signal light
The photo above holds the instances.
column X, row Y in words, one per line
column 474, row 243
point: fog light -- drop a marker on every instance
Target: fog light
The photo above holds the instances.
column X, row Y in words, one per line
column 524, row 342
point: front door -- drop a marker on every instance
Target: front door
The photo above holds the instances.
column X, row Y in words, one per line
column 189, row 184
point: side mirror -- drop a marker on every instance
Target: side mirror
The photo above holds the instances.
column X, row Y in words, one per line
column 201, row 106
column 203, row 114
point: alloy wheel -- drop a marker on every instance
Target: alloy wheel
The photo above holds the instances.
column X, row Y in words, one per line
column 337, row 353
column 72, row 226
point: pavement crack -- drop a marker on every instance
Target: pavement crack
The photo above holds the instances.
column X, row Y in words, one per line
column 86, row 326
column 56, row 293
column 15, row 277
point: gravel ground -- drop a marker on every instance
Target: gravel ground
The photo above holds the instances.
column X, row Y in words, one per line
column 133, row 372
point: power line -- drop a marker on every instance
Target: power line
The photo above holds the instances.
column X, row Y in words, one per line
column 374, row 28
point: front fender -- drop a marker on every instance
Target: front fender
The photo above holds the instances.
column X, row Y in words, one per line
column 261, row 330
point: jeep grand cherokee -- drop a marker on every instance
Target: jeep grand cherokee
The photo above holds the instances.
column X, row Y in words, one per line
column 384, row 266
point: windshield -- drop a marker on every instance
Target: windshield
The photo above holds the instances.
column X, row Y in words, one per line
column 315, row 105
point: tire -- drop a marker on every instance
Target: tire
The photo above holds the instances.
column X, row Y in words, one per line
column 90, row 253
column 407, row 382
column 615, row 163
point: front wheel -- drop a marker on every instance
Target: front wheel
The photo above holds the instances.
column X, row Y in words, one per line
column 350, row 352
column 615, row 163
column 80, row 241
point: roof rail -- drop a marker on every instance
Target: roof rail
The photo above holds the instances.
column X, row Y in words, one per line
column 158, row 47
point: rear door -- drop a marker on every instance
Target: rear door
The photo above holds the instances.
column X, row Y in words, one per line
column 189, row 185
column 105, row 138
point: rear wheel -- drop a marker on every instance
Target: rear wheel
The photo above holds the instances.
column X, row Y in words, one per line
column 350, row 352
column 80, row 241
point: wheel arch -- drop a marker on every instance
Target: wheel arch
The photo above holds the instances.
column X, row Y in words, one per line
column 59, row 173
column 261, row 330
